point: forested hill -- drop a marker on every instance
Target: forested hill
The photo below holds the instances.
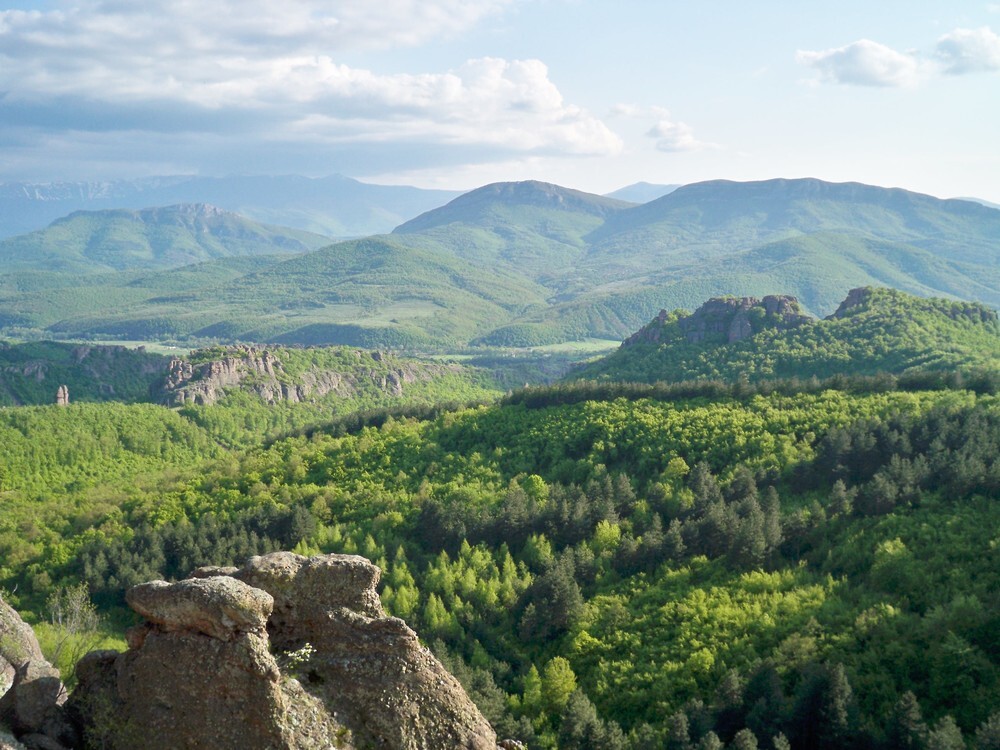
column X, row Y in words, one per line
column 507, row 265
column 149, row 239
column 810, row 568
column 304, row 381
column 873, row 331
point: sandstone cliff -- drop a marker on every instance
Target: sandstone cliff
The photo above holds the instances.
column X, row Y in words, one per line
column 262, row 373
column 286, row 652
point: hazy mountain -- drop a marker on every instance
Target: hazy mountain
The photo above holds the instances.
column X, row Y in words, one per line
column 533, row 227
column 335, row 206
column 720, row 217
column 372, row 292
column 981, row 201
column 525, row 264
column 642, row 192
column 152, row 238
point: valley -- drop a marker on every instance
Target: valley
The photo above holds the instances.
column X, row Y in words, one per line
column 745, row 524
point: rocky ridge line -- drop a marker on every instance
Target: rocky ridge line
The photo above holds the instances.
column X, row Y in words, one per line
column 260, row 372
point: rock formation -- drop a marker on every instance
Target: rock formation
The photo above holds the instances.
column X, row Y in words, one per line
column 725, row 320
column 201, row 671
column 32, row 693
column 62, row 396
column 860, row 299
column 260, row 372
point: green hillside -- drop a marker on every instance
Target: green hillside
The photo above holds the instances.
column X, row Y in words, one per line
column 873, row 331
column 531, row 264
column 719, row 217
column 373, row 293
column 643, row 569
column 534, row 228
column 153, row 238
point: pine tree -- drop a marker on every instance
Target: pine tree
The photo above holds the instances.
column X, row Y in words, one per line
column 744, row 740
column 946, row 736
column 841, row 500
column 905, row 729
column 988, row 733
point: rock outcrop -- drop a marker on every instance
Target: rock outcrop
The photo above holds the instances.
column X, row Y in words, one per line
column 62, row 396
column 725, row 320
column 18, row 645
column 262, row 373
column 32, row 692
column 200, row 671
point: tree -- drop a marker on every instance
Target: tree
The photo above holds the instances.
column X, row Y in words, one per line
column 556, row 598
column 988, row 733
column 582, row 729
column 679, row 732
column 558, row 684
column 841, row 500
column 905, row 729
column 531, row 697
column 824, row 712
column 77, row 624
column 946, row 736
column 744, row 740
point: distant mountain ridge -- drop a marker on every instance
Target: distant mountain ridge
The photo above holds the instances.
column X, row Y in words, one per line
column 641, row 192
column 151, row 238
column 335, row 206
column 529, row 264
column 874, row 330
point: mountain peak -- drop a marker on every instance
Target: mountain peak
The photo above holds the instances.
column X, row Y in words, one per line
column 508, row 196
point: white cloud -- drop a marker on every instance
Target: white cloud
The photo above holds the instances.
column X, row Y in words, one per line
column 274, row 70
column 864, row 63
column 670, row 135
column 674, row 136
column 969, row 50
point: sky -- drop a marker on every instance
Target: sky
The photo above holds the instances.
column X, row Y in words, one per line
column 590, row 94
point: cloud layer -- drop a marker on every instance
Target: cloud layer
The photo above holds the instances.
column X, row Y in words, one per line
column 868, row 63
column 271, row 73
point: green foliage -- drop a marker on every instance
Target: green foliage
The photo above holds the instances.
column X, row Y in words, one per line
column 889, row 332
column 595, row 562
column 87, row 242
column 519, row 264
column 31, row 372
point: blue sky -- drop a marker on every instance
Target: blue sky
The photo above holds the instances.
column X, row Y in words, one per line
column 458, row 93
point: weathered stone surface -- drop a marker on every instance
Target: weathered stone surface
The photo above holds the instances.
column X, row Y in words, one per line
column 17, row 645
column 189, row 680
column 369, row 670
column 220, row 606
column 209, row 571
column 187, row 689
column 307, row 589
column 33, row 705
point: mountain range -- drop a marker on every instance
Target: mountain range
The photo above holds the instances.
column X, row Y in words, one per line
column 87, row 242
column 529, row 263
column 335, row 206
